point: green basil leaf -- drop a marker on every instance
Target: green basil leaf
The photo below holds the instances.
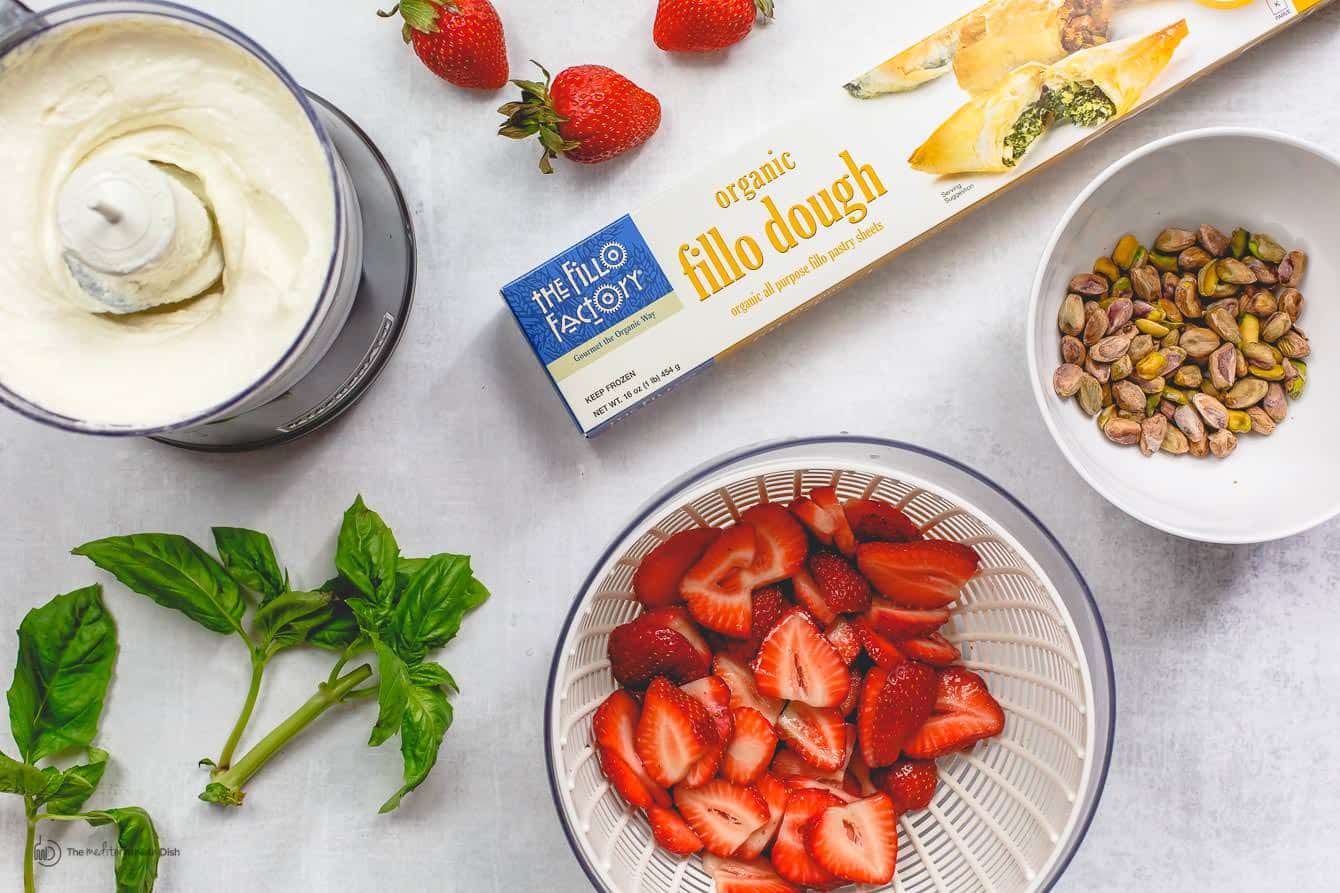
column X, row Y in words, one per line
column 392, row 691
column 66, row 651
column 367, row 554
column 427, row 717
column 174, row 572
column 338, row 631
column 250, row 559
column 372, row 618
column 434, row 602
column 137, row 847
column 288, row 619
column 20, row 778
column 432, row 675
column 76, row 785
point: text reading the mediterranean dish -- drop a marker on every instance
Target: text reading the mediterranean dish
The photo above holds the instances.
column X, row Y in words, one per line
column 713, row 263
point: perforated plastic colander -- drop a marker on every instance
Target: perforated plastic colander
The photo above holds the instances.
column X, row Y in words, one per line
column 1009, row 815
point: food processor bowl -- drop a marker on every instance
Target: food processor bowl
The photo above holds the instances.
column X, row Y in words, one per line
column 1008, row 815
column 361, row 311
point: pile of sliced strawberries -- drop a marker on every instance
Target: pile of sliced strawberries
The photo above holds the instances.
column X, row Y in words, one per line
column 786, row 692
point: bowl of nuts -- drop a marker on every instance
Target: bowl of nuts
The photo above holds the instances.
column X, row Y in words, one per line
column 1173, row 350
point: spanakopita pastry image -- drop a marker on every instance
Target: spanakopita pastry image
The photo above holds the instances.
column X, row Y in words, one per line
column 993, row 131
column 991, row 41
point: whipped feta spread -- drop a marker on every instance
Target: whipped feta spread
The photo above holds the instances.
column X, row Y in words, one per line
column 168, row 220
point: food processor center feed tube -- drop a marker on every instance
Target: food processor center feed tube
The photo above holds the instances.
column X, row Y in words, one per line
column 136, row 235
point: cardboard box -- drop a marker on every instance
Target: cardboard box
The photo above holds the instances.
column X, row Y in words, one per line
column 867, row 170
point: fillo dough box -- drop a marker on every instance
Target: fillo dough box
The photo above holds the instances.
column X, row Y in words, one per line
column 992, row 94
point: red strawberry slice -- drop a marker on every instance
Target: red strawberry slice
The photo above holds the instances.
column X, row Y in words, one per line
column 672, row 832
column 769, row 605
column 964, row 713
column 615, row 729
column 843, row 536
column 893, row 622
column 673, row 733
column 723, row 815
column 678, row 619
column 790, row 856
column 910, row 784
column 751, row 747
column 927, row 574
column 872, row 519
column 934, row 649
column 713, row 694
column 716, row 588
column 811, row 598
column 842, row 636
column 743, row 692
column 883, row 652
column 796, row 662
column 895, row 704
column 820, row 524
column 737, row 876
column 788, row 766
column 838, row 790
column 782, row 544
column 857, row 841
column 844, row 590
column 817, row 734
column 853, row 693
column 858, row 779
column 656, row 580
column 646, row 647
column 774, row 793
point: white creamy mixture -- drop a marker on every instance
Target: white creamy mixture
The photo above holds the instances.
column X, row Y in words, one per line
column 247, row 190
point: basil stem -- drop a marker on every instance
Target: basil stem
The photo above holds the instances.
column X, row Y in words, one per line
column 258, row 663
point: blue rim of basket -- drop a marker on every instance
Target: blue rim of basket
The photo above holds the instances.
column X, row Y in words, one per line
column 721, row 462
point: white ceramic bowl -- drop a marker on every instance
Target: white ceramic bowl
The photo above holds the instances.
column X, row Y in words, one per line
column 1008, row 816
column 1270, row 487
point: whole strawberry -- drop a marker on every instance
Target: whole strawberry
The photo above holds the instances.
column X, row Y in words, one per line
column 588, row 114
column 700, row 26
column 460, row 41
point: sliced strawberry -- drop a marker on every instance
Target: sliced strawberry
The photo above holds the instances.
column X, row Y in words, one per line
column 895, row 704
column 858, row 779
column 927, row 574
column 774, row 793
column 646, row 647
column 964, row 713
column 716, row 588
column 788, row 765
column 838, row 790
column 743, row 691
column 657, row 578
column 713, row 694
column 910, row 784
column 782, row 544
column 857, row 841
column 811, row 598
column 843, row 536
column 615, row 730
column 769, row 605
column 673, row 833
column 853, row 692
column 790, row 856
column 842, row 636
column 820, row 524
column 678, row 619
column 674, row 732
column 844, row 590
column 737, row 876
column 893, row 622
column 723, row 815
column 934, row 649
column 796, row 662
column 883, row 652
column 751, row 747
column 817, row 734
column 872, row 519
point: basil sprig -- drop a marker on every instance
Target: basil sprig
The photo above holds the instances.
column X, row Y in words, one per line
column 381, row 605
column 67, row 649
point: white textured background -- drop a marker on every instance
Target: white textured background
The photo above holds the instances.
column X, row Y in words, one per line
column 1223, row 776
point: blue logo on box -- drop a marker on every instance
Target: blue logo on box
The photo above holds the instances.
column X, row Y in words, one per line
column 587, row 289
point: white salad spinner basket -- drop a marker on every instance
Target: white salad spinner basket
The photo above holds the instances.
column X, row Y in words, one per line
column 1009, row 815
